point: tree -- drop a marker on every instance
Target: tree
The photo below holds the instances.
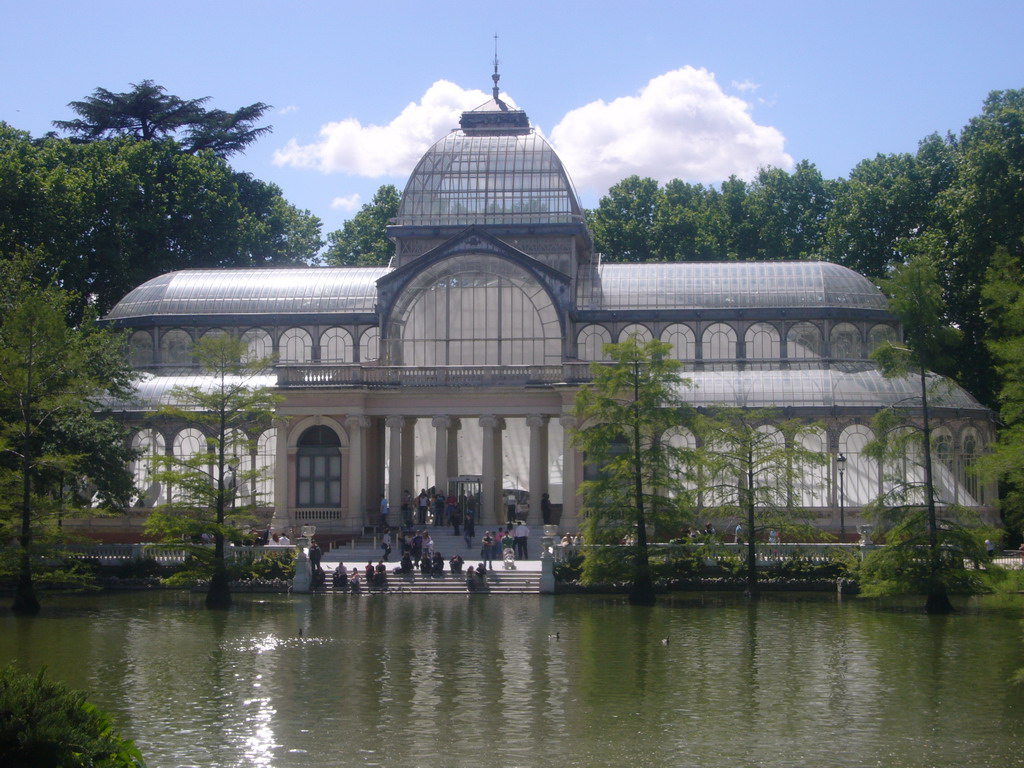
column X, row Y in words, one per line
column 46, row 724
column 623, row 223
column 106, row 216
column 755, row 468
column 363, row 240
column 149, row 113
column 229, row 407
column 788, row 212
column 915, row 296
column 52, row 379
column 627, row 416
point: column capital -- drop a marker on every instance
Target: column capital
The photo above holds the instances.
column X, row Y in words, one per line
column 441, row 422
column 489, row 420
column 357, row 422
column 537, row 420
column 568, row 421
column 394, row 422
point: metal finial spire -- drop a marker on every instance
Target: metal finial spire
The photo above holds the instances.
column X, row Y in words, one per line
column 495, row 77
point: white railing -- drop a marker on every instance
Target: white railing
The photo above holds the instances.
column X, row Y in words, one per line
column 329, row 375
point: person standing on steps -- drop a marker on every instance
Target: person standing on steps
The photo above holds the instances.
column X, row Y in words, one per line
column 545, row 509
column 522, row 538
column 487, row 550
column 383, row 511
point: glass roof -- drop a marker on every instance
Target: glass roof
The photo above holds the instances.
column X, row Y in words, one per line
column 488, row 178
column 153, row 391
column 858, row 386
column 254, row 291
column 725, row 285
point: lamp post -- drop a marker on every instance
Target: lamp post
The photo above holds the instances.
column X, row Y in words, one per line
column 841, row 465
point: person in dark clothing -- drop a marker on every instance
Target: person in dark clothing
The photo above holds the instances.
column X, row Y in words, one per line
column 545, row 509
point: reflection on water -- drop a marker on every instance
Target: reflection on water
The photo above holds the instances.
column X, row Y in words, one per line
column 702, row 680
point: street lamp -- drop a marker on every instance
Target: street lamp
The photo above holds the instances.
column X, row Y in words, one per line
column 841, row 465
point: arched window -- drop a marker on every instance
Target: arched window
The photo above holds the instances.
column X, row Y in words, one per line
column 812, row 483
column 845, row 342
column 970, row 450
column 803, row 342
column 684, row 343
column 879, row 334
column 319, row 468
column 259, row 345
column 474, row 309
column 763, row 342
column 175, row 347
column 590, row 342
column 295, row 346
column 188, row 444
column 140, row 349
column 944, row 466
column 861, row 481
column 369, row 345
column 149, row 443
column 266, row 454
column 683, row 439
column 336, row 346
column 718, row 343
column 642, row 333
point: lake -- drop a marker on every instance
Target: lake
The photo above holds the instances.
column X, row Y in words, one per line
column 701, row 679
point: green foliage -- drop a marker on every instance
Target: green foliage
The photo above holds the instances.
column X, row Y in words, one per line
column 627, row 417
column 108, row 215
column 363, row 240
column 44, row 724
column 149, row 113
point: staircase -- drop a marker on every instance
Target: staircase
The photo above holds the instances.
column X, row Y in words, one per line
column 498, row 583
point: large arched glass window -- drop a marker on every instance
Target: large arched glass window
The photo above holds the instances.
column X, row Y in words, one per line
column 188, row 444
column 970, row 449
column 319, row 468
column 474, row 310
column 879, row 334
column 140, row 349
column 149, row 444
column 803, row 341
column 590, row 342
column 718, row 343
column 762, row 342
column 175, row 347
column 259, row 345
column 266, row 453
column 811, row 476
column 295, row 346
column 336, row 346
column 684, row 343
column 369, row 345
column 861, row 481
column 845, row 342
column 642, row 333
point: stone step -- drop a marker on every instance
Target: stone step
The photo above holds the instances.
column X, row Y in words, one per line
column 504, row 582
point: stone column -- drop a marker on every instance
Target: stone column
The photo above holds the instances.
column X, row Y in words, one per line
column 281, row 519
column 409, row 457
column 394, row 492
column 490, row 480
column 538, row 425
column 569, row 520
column 441, row 425
column 357, row 469
column 453, row 447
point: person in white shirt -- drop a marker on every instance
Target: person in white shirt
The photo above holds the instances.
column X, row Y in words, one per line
column 522, row 537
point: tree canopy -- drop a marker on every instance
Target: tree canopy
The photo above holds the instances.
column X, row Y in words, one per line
column 149, row 113
column 363, row 240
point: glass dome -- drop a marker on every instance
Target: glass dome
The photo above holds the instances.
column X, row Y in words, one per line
column 725, row 285
column 488, row 177
column 253, row 291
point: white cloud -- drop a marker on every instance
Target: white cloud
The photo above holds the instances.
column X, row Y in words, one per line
column 348, row 146
column 680, row 125
column 745, row 86
column 288, row 110
column 347, row 204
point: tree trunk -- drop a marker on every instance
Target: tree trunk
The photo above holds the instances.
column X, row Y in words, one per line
column 219, row 595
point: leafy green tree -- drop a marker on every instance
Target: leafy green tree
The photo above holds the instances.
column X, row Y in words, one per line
column 788, row 212
column 46, row 725
column 106, row 216
column 363, row 240
column 228, row 407
column 623, row 223
column 627, row 416
column 915, row 296
column 754, row 468
column 149, row 113
column 52, row 379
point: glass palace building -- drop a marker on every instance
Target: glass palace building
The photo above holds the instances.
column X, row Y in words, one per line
column 458, row 363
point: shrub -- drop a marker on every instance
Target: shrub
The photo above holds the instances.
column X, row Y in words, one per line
column 46, row 725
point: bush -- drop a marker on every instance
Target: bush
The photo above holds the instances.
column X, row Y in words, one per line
column 43, row 724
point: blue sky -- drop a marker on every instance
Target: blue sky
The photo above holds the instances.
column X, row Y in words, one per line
column 666, row 89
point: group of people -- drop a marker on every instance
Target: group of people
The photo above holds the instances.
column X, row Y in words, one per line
column 512, row 539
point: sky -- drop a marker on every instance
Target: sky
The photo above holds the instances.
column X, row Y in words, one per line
column 692, row 90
